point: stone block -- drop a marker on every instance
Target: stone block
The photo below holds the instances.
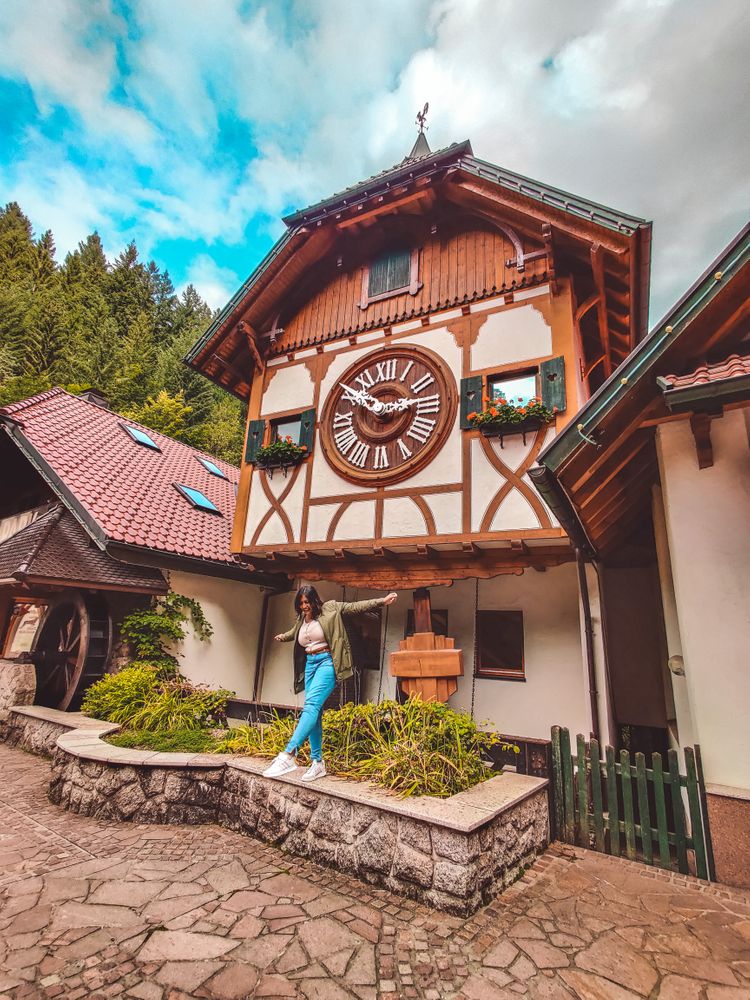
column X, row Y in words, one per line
column 412, row 865
column 414, row 834
column 129, row 799
column 376, row 847
column 457, row 847
column 458, row 880
column 332, row 820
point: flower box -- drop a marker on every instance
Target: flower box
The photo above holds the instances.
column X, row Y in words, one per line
column 499, row 428
column 283, row 462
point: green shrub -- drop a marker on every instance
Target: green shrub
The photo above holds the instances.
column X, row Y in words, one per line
column 418, row 748
column 141, row 698
column 117, row 697
column 176, row 740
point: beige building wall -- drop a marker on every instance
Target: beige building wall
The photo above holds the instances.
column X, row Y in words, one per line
column 555, row 691
column 227, row 659
column 707, row 516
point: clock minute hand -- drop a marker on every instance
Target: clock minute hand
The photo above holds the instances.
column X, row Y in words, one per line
column 399, row 405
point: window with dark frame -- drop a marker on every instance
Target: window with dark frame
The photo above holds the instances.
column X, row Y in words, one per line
column 499, row 651
column 286, row 427
column 390, row 272
column 438, row 621
column 516, row 388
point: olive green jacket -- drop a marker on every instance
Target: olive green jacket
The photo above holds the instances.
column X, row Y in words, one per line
column 331, row 621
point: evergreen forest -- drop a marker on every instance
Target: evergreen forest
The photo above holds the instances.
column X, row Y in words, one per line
column 117, row 326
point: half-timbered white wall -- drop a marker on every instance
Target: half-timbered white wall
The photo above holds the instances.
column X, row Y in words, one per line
column 315, row 505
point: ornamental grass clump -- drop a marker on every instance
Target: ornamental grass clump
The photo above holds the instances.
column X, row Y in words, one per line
column 417, row 748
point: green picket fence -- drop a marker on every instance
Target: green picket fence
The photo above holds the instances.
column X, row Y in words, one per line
column 611, row 805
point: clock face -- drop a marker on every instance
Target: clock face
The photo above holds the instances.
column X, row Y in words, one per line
column 388, row 414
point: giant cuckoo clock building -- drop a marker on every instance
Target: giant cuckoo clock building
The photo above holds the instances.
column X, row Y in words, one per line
column 383, row 318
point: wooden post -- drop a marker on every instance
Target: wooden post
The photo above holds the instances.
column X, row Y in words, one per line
column 427, row 665
column 643, row 809
column 677, row 812
column 661, row 812
column 422, row 610
column 613, row 807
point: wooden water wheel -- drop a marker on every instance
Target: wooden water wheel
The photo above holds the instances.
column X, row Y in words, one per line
column 71, row 649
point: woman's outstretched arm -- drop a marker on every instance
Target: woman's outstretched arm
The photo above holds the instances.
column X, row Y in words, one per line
column 286, row 636
column 358, row 607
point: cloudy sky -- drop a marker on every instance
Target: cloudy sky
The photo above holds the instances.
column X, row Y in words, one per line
column 192, row 126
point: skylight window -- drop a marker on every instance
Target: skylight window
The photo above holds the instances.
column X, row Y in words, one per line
column 140, row 437
column 209, row 466
column 197, row 499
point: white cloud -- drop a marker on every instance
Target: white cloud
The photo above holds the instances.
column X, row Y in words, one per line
column 214, row 284
column 229, row 114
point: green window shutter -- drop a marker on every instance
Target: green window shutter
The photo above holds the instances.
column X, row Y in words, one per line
column 471, row 399
column 307, row 429
column 552, row 377
column 255, row 432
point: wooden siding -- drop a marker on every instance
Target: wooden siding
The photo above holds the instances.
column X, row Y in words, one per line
column 463, row 268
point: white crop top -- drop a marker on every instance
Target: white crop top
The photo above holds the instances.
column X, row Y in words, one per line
column 311, row 635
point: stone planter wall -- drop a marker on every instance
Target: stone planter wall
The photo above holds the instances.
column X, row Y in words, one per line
column 38, row 729
column 453, row 854
column 17, row 687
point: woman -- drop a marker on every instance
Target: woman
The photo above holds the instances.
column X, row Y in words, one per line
column 320, row 632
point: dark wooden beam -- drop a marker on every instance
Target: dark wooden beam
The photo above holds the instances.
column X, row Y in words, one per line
column 597, row 270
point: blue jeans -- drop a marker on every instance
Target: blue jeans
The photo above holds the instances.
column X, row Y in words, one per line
column 320, row 680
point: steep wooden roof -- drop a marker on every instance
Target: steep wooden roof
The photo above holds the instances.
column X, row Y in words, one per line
column 605, row 253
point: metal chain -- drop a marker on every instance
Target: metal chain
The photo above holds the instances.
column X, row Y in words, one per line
column 382, row 653
column 476, row 631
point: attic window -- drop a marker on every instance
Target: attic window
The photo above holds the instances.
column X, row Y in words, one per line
column 389, row 273
column 209, row 466
column 392, row 273
column 140, row 437
column 197, row 499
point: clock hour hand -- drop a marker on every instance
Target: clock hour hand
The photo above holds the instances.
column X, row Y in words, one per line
column 362, row 398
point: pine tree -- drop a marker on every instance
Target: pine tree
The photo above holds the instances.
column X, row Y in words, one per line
column 134, row 379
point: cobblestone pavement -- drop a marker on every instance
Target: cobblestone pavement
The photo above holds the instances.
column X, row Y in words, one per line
column 97, row 909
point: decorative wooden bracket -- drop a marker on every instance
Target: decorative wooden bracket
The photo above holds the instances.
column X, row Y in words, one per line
column 426, row 664
column 700, row 425
column 548, row 238
column 252, row 343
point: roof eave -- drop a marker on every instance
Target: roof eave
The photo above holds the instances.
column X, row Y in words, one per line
column 638, row 365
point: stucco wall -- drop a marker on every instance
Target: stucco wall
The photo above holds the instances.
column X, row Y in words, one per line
column 555, row 691
column 233, row 609
column 706, row 513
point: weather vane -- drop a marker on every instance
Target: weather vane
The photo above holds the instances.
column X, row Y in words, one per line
column 422, row 117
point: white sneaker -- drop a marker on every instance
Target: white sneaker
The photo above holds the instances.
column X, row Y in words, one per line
column 282, row 763
column 316, row 770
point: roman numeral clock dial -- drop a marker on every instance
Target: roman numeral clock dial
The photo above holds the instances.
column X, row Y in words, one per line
column 388, row 415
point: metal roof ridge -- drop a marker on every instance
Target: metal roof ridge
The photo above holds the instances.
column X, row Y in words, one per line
column 556, row 191
column 403, row 165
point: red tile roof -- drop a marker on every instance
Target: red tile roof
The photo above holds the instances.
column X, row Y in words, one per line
column 735, row 366
column 126, row 488
column 55, row 547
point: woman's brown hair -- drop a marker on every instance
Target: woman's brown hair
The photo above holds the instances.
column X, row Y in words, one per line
column 313, row 597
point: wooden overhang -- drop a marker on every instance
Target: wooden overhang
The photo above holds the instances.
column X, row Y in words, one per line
column 604, row 253
column 599, row 472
